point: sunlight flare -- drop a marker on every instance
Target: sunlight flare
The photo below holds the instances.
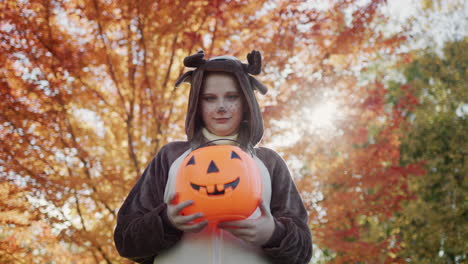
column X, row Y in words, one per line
column 323, row 115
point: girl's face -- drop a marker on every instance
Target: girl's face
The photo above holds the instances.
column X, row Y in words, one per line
column 221, row 104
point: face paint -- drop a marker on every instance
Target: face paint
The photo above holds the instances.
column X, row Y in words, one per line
column 221, row 104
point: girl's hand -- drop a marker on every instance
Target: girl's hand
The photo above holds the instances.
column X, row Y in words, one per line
column 254, row 231
column 184, row 222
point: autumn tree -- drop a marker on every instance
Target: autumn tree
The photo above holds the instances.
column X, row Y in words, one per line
column 355, row 181
column 87, row 98
column 352, row 179
column 433, row 226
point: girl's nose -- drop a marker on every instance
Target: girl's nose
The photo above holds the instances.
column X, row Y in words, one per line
column 221, row 107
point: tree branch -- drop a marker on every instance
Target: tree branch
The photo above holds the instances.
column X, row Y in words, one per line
column 109, row 64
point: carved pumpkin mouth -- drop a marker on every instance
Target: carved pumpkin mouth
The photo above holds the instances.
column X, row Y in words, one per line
column 216, row 189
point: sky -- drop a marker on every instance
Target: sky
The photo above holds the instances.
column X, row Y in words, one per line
column 447, row 21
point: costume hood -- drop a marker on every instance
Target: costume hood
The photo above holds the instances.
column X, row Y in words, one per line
column 247, row 83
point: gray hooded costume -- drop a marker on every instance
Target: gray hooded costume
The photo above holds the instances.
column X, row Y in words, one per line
column 144, row 232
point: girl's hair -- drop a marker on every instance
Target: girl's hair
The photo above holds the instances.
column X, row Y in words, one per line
column 244, row 131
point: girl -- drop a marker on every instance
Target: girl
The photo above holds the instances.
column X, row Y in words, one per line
column 222, row 105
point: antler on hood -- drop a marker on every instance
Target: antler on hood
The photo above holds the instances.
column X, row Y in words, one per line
column 253, row 67
column 195, row 60
column 255, row 63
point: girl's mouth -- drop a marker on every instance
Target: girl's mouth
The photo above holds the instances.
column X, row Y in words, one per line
column 221, row 120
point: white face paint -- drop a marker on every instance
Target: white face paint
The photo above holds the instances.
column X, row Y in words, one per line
column 221, row 104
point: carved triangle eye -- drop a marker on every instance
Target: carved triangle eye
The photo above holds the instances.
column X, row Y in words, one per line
column 234, row 155
column 212, row 168
column 191, row 161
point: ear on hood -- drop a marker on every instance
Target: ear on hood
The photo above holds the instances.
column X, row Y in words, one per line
column 186, row 77
column 258, row 85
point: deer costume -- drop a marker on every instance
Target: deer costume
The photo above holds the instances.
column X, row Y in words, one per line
column 145, row 234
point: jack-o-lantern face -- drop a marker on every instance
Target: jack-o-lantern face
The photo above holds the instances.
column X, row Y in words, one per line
column 223, row 181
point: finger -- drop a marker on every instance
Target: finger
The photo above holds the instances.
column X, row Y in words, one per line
column 264, row 209
column 236, row 224
column 181, row 206
column 239, row 232
column 195, row 228
column 182, row 220
column 173, row 198
column 244, row 234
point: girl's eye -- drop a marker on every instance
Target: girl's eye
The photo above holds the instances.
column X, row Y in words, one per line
column 233, row 97
column 209, row 98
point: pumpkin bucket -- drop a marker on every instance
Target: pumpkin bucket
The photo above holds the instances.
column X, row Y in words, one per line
column 223, row 181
